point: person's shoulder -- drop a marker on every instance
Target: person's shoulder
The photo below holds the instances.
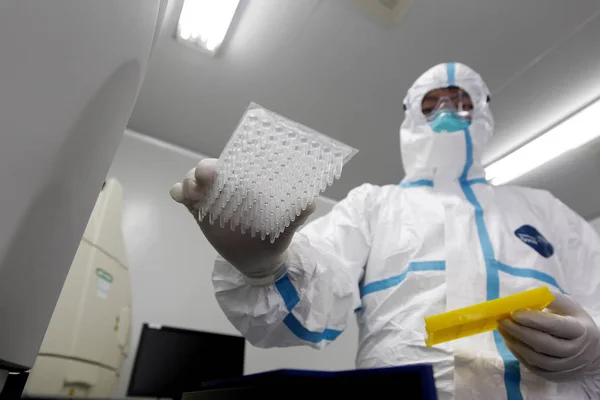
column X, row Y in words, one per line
column 525, row 191
column 372, row 194
column 539, row 201
column 368, row 189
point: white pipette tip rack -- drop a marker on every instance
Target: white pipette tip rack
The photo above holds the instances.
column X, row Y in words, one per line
column 268, row 173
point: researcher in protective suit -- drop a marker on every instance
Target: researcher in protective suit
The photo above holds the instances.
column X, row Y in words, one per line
column 443, row 238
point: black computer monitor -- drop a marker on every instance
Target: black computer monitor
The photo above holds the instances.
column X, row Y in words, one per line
column 171, row 361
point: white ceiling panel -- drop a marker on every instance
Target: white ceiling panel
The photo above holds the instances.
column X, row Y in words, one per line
column 337, row 69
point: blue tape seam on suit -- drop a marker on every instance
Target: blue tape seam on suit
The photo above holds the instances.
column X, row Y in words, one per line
column 290, row 297
column 396, row 280
column 420, row 182
column 512, row 372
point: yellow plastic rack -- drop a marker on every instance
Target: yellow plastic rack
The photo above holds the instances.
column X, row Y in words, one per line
column 482, row 317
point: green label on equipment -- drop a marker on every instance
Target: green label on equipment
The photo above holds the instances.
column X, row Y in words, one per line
column 102, row 274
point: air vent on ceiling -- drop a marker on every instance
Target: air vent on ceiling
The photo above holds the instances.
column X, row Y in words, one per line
column 387, row 10
column 389, row 4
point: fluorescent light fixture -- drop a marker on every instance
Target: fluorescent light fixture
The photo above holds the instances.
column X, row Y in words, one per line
column 573, row 132
column 204, row 23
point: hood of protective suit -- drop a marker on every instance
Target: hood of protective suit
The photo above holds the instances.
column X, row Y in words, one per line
column 431, row 156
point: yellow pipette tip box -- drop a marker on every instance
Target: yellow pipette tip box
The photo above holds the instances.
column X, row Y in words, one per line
column 482, row 317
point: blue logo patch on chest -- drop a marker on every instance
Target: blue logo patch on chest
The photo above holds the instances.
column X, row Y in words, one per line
column 531, row 237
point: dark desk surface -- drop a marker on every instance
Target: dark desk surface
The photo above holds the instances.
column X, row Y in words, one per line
column 414, row 382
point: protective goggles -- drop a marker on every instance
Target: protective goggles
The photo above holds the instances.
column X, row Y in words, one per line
column 464, row 100
column 452, row 99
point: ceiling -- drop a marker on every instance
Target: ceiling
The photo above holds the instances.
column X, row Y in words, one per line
column 334, row 67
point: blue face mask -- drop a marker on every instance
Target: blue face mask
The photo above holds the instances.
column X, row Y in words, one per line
column 448, row 121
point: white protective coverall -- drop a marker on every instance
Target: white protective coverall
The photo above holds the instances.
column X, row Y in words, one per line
column 442, row 239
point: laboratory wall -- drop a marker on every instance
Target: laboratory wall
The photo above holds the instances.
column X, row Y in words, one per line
column 171, row 262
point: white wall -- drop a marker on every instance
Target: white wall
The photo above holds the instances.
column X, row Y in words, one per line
column 171, row 262
column 596, row 224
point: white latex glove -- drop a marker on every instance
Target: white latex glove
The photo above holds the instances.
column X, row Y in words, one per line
column 261, row 261
column 560, row 345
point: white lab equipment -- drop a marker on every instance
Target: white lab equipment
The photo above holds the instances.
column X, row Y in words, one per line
column 70, row 72
column 88, row 336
